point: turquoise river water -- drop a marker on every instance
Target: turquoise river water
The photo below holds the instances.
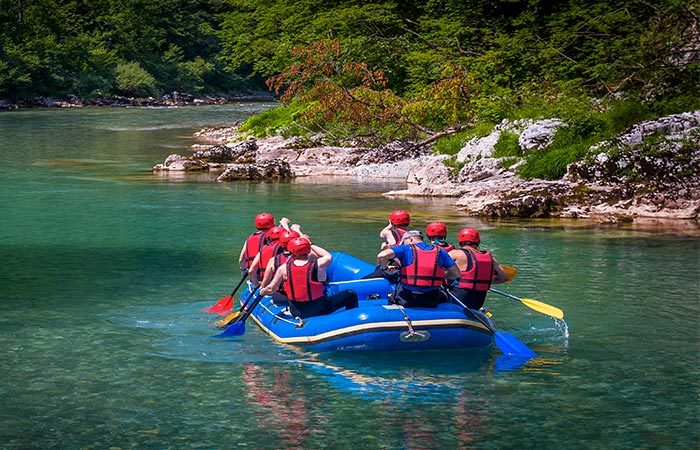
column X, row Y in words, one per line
column 106, row 267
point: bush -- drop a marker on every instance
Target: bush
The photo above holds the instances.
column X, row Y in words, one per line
column 134, row 80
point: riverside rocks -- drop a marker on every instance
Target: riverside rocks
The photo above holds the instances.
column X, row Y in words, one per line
column 651, row 171
column 170, row 99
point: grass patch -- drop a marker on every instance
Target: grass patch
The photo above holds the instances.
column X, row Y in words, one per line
column 569, row 145
column 279, row 120
column 451, row 144
column 507, row 145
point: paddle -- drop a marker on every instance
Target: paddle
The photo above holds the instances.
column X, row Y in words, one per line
column 228, row 320
column 506, row 342
column 534, row 304
column 226, row 303
column 510, row 271
column 237, row 327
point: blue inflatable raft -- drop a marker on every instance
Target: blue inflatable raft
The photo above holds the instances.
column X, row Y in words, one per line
column 375, row 325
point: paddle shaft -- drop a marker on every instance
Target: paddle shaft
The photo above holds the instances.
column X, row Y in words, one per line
column 471, row 312
column 533, row 304
column 248, row 308
column 505, row 294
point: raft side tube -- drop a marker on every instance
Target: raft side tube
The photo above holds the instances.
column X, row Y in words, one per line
column 345, row 267
column 371, row 288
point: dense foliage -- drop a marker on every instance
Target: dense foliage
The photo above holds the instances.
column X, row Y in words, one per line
column 107, row 47
column 382, row 70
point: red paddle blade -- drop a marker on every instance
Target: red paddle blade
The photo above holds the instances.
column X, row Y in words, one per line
column 222, row 307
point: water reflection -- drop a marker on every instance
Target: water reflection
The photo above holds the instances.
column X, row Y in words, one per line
column 418, row 401
column 405, row 375
column 276, row 407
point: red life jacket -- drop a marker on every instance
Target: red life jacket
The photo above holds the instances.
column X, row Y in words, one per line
column 253, row 246
column 424, row 271
column 277, row 261
column 280, row 258
column 267, row 252
column 302, row 283
column 398, row 235
column 479, row 272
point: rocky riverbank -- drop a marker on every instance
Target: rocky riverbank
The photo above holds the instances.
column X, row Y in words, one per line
column 651, row 171
column 170, row 99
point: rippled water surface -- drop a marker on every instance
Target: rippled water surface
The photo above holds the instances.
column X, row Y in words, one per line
column 106, row 268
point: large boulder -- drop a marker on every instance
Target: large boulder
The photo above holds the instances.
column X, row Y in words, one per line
column 240, row 153
column 274, row 170
column 178, row 163
column 484, row 146
column 539, row 135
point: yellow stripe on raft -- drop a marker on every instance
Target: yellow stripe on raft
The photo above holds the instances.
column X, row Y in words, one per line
column 374, row 326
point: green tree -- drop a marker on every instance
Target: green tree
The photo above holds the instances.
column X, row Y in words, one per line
column 134, row 80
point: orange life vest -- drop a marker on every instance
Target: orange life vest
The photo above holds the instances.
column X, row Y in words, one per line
column 302, row 283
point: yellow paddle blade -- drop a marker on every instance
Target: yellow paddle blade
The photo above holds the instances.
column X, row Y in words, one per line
column 510, row 271
column 227, row 320
column 543, row 308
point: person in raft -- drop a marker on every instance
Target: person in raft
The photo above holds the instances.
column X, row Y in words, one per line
column 436, row 232
column 254, row 243
column 279, row 297
column 271, row 247
column 479, row 269
column 424, row 269
column 303, row 277
column 391, row 234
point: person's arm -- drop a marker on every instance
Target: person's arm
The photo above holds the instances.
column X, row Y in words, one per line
column 453, row 273
column 499, row 275
column 269, row 273
column 284, row 223
column 280, row 276
column 385, row 256
column 387, row 236
column 253, row 270
column 241, row 258
column 446, row 262
column 323, row 259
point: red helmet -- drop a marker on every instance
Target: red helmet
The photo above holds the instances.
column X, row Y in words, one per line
column 274, row 233
column 287, row 236
column 469, row 235
column 299, row 246
column 438, row 229
column 400, row 217
column 264, row 221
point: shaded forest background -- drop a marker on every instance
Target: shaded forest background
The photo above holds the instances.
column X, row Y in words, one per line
column 395, row 69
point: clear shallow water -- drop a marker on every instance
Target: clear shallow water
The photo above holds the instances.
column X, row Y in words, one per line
column 106, row 268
